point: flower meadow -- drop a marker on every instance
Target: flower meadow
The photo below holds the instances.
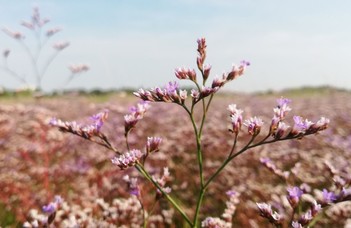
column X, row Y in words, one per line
column 171, row 157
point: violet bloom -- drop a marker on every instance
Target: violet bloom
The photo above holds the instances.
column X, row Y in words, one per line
column 300, row 125
column 99, row 119
column 236, row 118
column 171, row 87
column 328, row 197
column 53, row 206
column 254, row 125
column 294, row 195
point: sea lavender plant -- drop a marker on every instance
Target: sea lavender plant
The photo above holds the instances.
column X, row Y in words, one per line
column 202, row 95
column 36, row 26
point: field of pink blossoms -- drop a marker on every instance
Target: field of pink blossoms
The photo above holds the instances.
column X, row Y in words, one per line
column 37, row 161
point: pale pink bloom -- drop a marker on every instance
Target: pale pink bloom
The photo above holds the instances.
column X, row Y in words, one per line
column 78, row 68
column 60, row 45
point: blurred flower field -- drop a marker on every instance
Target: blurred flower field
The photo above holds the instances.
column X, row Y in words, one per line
column 38, row 162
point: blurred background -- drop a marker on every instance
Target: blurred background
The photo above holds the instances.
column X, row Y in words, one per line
column 131, row 44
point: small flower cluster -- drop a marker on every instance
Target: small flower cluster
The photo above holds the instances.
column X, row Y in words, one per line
column 136, row 114
column 266, row 211
column 74, row 68
column 170, row 94
column 85, row 131
column 162, row 182
column 278, row 129
column 127, row 159
column 228, row 214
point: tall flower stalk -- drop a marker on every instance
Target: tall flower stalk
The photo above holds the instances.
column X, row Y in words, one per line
column 201, row 95
column 36, row 26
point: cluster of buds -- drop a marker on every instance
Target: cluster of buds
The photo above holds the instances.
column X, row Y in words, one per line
column 136, row 114
column 14, row 34
column 201, row 49
column 272, row 167
column 204, row 92
column 59, row 46
column 85, row 131
column 52, row 31
column 170, row 93
column 153, row 144
column 77, row 68
column 254, row 125
column 162, row 183
column 231, row 205
column 128, row 159
column 267, row 212
column 185, row 73
column 236, row 118
column 302, row 127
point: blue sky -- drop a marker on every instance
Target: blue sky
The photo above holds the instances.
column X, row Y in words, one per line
column 130, row 43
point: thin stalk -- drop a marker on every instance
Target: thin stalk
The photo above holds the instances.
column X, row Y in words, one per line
column 224, row 164
column 198, row 206
column 168, row 197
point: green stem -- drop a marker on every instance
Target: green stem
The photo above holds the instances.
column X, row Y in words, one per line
column 198, row 206
column 168, row 197
column 224, row 164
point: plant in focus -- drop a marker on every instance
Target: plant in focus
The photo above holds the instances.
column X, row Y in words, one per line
column 38, row 62
column 250, row 130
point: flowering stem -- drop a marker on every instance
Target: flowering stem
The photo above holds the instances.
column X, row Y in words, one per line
column 141, row 169
column 198, row 206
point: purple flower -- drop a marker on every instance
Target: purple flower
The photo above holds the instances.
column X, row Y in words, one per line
column 294, row 195
column 52, row 207
column 49, row 209
column 171, row 87
column 99, row 119
column 328, row 197
column 254, row 125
